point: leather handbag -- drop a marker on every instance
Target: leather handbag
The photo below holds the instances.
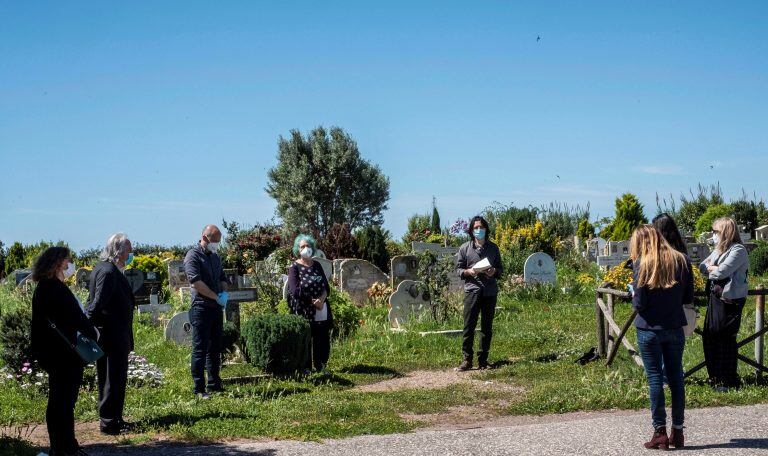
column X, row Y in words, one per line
column 85, row 347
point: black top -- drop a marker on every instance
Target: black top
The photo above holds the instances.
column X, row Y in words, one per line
column 304, row 285
column 662, row 308
column 200, row 264
column 110, row 307
column 469, row 254
column 55, row 302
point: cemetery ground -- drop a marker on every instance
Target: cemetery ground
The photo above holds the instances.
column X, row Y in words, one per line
column 373, row 389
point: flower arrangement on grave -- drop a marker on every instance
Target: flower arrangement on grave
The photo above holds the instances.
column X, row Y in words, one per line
column 378, row 294
column 618, row 277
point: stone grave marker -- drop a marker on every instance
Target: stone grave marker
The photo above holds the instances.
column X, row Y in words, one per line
column 595, row 248
column 19, row 275
column 761, row 233
column 327, row 267
column 83, row 278
column 698, row 252
column 617, row 248
column 406, row 302
column 135, row 278
column 403, row 267
column 154, row 310
column 539, row 268
column 337, row 269
column 177, row 277
column 611, row 261
column 179, row 329
column 441, row 251
column 357, row 276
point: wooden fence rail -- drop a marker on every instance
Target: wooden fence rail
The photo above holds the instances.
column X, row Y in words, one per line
column 611, row 336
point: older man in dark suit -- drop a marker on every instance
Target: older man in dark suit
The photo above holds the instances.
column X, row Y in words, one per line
column 110, row 310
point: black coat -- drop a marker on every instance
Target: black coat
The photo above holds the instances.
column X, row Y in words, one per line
column 55, row 302
column 110, row 308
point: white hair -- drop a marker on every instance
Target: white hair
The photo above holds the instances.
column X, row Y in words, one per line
column 116, row 246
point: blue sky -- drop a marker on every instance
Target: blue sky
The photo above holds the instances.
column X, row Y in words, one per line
column 155, row 118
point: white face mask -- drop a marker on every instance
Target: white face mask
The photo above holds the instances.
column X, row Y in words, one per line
column 306, row 252
column 213, row 247
column 70, row 271
column 716, row 239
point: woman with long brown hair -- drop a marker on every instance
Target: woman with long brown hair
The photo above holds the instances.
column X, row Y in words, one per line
column 726, row 269
column 662, row 283
column 57, row 313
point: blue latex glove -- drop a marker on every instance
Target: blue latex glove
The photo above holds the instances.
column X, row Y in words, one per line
column 223, row 298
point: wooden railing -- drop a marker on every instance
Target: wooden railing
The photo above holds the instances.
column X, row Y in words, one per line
column 611, row 336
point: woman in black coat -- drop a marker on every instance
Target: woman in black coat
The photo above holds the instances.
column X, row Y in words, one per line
column 54, row 304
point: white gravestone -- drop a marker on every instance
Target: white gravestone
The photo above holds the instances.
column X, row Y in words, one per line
column 539, row 268
column 409, row 300
column 179, row 329
column 761, row 233
column 357, row 276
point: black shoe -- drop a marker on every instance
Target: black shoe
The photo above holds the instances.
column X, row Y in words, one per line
column 465, row 365
column 483, row 365
column 121, row 427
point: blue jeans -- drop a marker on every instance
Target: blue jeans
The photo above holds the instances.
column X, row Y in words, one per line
column 662, row 350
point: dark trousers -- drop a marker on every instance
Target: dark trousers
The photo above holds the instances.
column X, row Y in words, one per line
column 112, row 376
column 207, row 328
column 662, row 352
column 721, row 326
column 476, row 305
column 60, row 414
column 321, row 344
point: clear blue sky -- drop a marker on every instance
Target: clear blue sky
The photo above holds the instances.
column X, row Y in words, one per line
column 155, row 118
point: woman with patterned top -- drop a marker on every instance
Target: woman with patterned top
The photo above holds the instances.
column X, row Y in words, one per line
column 308, row 291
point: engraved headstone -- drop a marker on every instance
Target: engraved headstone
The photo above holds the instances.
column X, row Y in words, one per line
column 761, row 233
column 83, row 277
column 403, row 267
column 327, row 267
column 135, row 278
column 19, row 275
column 179, row 329
column 539, row 268
column 442, row 252
column 357, row 276
column 408, row 301
column 595, row 248
column 698, row 252
column 177, row 276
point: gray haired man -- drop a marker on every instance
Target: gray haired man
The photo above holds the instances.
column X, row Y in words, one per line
column 110, row 310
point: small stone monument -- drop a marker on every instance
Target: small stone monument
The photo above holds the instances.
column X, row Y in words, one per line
column 407, row 301
column 179, row 329
column 357, row 276
column 177, row 276
column 539, row 268
column 761, row 233
column 83, row 278
column 403, row 267
column 698, row 252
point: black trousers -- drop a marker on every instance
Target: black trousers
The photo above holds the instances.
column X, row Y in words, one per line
column 321, row 344
column 112, row 376
column 207, row 328
column 721, row 326
column 476, row 305
column 60, row 414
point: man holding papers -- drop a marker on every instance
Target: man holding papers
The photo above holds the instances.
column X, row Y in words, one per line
column 478, row 263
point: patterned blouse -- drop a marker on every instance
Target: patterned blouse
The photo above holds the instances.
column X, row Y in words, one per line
column 304, row 285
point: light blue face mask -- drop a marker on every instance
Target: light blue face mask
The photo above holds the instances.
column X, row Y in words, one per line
column 479, row 233
column 129, row 260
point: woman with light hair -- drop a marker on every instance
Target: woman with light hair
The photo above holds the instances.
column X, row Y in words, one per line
column 662, row 283
column 727, row 287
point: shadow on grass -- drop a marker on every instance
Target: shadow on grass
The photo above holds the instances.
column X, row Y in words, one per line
column 734, row 443
column 329, row 379
column 245, row 379
column 176, row 449
column 184, row 419
column 367, row 369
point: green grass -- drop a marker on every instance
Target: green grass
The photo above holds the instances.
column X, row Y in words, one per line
column 535, row 345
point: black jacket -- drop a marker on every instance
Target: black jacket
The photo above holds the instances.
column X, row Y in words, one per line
column 660, row 308
column 110, row 308
column 55, row 302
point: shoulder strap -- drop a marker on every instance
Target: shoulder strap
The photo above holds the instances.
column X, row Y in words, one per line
column 55, row 328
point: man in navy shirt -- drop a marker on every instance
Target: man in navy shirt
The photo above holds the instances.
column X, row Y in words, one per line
column 209, row 298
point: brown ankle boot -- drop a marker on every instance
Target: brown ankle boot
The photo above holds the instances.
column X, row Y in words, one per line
column 660, row 441
column 465, row 365
column 676, row 438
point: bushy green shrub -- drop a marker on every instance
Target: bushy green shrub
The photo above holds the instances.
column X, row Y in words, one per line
column 418, row 229
column 585, row 230
column 745, row 214
column 339, row 242
column 15, row 342
column 276, row 343
column 245, row 246
column 704, row 223
column 758, row 259
column 629, row 215
column 346, row 315
column 372, row 246
column 510, row 216
column 691, row 208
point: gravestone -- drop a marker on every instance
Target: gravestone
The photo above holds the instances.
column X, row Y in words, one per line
column 441, row 251
column 761, row 233
column 154, row 310
column 337, row 269
column 19, row 275
column 135, row 278
column 403, row 267
column 539, row 268
column 697, row 252
column 357, row 276
column 179, row 329
column 617, row 248
column 327, row 267
column 595, row 248
column 745, row 236
column 406, row 302
column 83, row 278
column 611, row 261
column 233, row 280
column 177, row 276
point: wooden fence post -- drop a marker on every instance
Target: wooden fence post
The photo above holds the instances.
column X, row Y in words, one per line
column 600, row 320
column 759, row 324
column 610, row 339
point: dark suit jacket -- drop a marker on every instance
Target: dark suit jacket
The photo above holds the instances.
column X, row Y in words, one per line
column 55, row 302
column 110, row 308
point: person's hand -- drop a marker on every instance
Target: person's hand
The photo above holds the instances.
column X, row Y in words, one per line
column 222, row 299
column 708, row 261
column 490, row 272
column 470, row 272
column 711, row 268
column 318, row 304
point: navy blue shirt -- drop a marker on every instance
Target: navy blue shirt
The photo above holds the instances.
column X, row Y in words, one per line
column 662, row 308
column 199, row 264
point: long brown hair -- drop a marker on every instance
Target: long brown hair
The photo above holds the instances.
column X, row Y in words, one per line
column 729, row 233
column 658, row 260
column 48, row 262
